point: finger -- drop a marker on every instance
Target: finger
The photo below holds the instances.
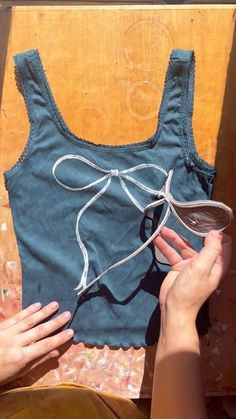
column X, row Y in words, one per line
column 20, row 316
column 47, row 345
column 179, row 241
column 36, row 318
column 44, row 329
column 207, row 257
column 51, row 355
column 166, row 285
column 38, row 361
column 223, row 261
column 226, row 252
column 170, row 254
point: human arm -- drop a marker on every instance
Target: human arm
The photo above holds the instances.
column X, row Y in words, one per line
column 177, row 387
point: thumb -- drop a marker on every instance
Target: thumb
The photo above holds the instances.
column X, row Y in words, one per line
column 207, row 257
column 166, row 285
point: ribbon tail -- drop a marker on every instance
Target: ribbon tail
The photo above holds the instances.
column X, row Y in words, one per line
column 132, row 255
column 83, row 279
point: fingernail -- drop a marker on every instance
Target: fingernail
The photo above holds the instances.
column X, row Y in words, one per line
column 66, row 315
column 216, row 233
column 70, row 332
column 54, row 354
column 36, row 305
column 54, row 304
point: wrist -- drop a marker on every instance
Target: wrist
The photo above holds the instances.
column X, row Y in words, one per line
column 178, row 317
column 178, row 334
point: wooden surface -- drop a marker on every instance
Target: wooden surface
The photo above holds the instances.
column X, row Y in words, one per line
column 9, row 3
column 106, row 68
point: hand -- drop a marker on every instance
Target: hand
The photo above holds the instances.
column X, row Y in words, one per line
column 194, row 276
column 24, row 343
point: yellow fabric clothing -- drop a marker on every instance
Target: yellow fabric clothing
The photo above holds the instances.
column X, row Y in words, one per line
column 66, row 401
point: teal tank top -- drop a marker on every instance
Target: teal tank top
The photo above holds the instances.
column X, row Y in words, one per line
column 79, row 209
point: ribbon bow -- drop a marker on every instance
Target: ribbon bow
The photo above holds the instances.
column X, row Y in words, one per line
column 186, row 212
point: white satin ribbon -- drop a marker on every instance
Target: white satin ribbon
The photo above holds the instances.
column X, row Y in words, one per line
column 122, row 175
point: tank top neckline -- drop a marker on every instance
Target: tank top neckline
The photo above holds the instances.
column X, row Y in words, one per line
column 149, row 143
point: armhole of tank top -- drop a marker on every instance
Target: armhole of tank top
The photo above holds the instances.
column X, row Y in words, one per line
column 23, row 89
column 191, row 156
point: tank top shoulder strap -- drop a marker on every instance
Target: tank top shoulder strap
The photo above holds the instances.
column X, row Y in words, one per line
column 179, row 83
column 41, row 108
column 29, row 77
column 176, row 110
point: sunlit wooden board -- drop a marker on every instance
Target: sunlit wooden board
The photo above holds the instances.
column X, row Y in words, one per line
column 108, row 63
